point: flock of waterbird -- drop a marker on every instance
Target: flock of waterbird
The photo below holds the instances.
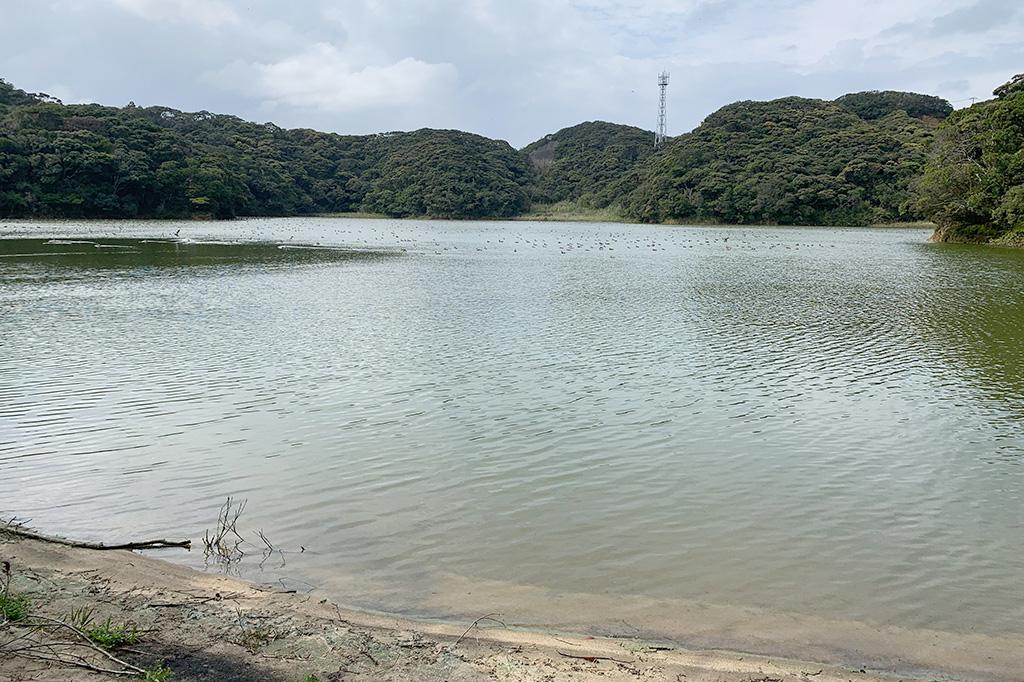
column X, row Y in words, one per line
column 610, row 243
column 450, row 238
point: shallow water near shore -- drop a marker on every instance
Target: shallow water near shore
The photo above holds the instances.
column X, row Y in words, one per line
column 802, row 421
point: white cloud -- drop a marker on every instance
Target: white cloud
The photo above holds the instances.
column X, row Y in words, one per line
column 510, row 69
column 206, row 13
column 322, row 76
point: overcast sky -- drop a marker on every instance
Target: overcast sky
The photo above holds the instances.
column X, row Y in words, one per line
column 511, row 69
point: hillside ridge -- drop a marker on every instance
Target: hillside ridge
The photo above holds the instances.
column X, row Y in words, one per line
column 793, row 159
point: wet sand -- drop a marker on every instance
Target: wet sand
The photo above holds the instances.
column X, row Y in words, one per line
column 213, row 627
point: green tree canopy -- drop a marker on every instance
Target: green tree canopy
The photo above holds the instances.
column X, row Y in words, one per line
column 875, row 104
column 792, row 160
column 585, row 160
column 788, row 161
column 973, row 183
column 88, row 160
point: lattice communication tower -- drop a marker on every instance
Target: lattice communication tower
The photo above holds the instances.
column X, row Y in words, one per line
column 660, row 135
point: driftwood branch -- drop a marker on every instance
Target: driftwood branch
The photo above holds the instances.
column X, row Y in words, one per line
column 144, row 544
column 592, row 659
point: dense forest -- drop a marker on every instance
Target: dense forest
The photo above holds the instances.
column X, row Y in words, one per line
column 973, row 183
column 792, row 161
column 875, row 104
column 94, row 161
column 864, row 158
column 586, row 160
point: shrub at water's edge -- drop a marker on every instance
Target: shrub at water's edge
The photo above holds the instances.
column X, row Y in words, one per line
column 973, row 184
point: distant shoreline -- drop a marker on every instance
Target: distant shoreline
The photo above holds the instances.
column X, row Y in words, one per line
column 597, row 216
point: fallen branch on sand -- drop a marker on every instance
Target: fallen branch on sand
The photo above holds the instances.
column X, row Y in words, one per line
column 35, row 637
column 53, row 650
column 143, row 544
column 592, row 658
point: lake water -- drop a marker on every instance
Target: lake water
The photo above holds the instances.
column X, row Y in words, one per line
column 623, row 428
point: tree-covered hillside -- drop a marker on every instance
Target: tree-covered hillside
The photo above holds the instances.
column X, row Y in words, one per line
column 875, row 104
column 973, row 184
column 585, row 160
column 788, row 161
column 447, row 173
column 792, row 160
column 96, row 161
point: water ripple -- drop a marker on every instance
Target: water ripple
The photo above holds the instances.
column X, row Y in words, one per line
column 798, row 419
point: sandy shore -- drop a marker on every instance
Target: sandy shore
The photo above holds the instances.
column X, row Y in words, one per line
column 212, row 627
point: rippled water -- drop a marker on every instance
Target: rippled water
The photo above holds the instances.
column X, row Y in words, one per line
column 811, row 421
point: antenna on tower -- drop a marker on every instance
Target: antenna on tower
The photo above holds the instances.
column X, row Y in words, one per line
column 660, row 135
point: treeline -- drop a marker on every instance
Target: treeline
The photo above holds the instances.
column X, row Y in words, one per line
column 864, row 158
column 790, row 161
column 973, row 183
column 586, row 161
column 106, row 162
column 793, row 161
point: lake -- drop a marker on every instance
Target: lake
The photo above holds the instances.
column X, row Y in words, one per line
column 690, row 433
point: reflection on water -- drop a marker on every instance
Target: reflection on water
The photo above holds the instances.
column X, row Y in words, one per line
column 813, row 421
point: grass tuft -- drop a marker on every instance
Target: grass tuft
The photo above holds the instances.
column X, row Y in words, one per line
column 157, row 674
column 107, row 633
column 14, row 608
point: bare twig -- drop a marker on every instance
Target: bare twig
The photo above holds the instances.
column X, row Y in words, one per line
column 76, row 661
column 7, row 586
column 88, row 643
column 220, row 545
column 489, row 616
column 266, row 542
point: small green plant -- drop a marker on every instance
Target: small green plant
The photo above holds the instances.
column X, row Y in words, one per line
column 80, row 618
column 311, row 678
column 13, row 608
column 157, row 674
column 254, row 638
column 107, row 633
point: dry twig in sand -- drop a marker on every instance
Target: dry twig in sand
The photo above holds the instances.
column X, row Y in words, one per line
column 81, row 652
column 489, row 616
column 592, row 659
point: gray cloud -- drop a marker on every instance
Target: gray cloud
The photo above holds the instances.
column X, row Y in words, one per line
column 510, row 70
column 977, row 18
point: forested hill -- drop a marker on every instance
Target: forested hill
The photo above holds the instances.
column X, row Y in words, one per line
column 973, row 185
column 585, row 160
column 792, row 161
column 95, row 161
column 875, row 104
